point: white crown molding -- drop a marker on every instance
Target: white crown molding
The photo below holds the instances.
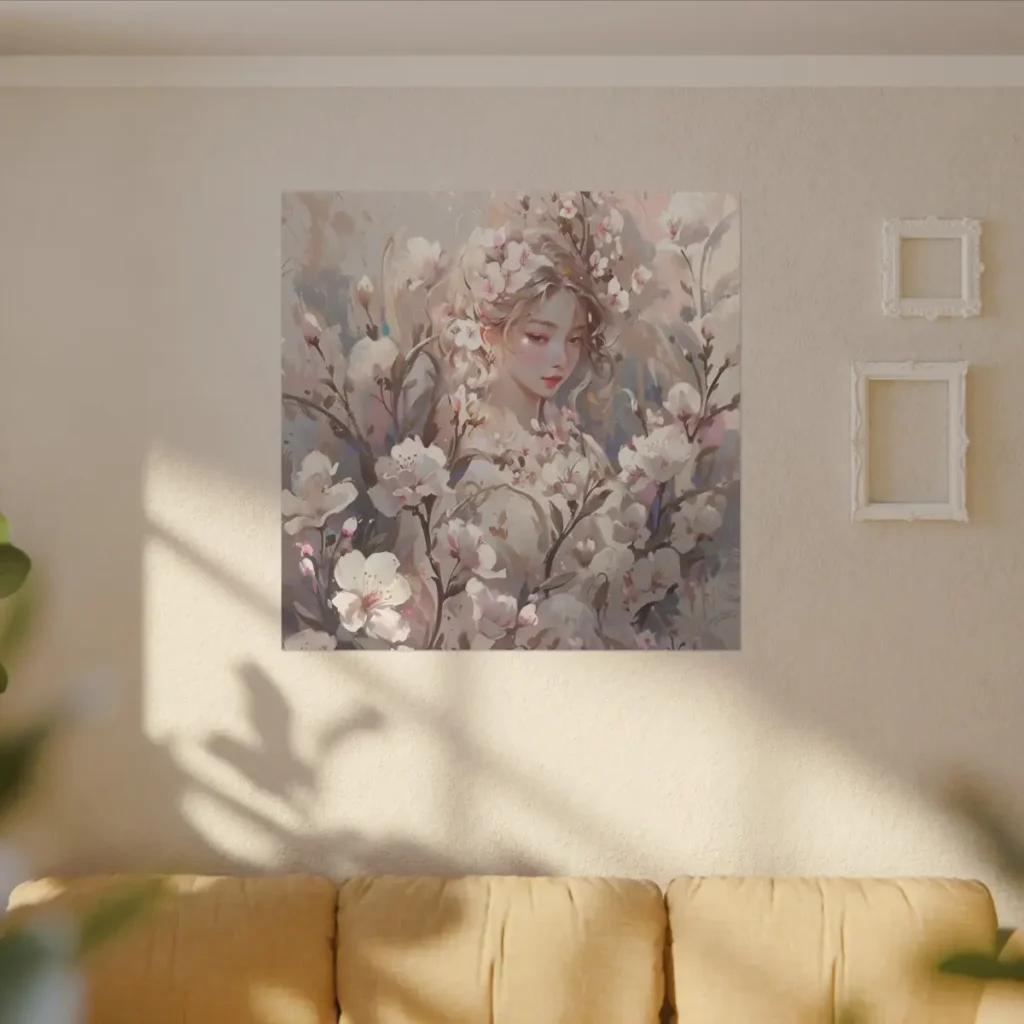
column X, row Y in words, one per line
column 513, row 72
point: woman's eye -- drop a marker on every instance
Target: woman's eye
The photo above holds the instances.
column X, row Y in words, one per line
column 537, row 339
column 577, row 340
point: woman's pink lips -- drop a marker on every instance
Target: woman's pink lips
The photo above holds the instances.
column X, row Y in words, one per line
column 552, row 381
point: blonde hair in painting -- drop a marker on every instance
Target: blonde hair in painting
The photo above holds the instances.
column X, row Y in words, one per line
column 500, row 276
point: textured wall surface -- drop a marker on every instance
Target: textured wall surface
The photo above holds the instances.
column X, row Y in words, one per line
column 139, row 417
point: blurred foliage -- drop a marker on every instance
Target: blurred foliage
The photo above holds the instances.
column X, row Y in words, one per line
column 15, row 567
column 24, row 958
column 114, row 912
column 982, row 966
column 32, row 950
column 1006, row 846
column 20, row 755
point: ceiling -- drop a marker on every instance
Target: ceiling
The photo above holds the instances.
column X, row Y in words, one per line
column 485, row 27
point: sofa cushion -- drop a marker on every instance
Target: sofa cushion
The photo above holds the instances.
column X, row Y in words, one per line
column 805, row 950
column 217, row 951
column 500, row 951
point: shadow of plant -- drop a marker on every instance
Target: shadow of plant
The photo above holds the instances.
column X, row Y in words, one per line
column 272, row 764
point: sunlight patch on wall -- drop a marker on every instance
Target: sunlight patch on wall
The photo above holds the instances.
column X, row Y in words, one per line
column 209, row 574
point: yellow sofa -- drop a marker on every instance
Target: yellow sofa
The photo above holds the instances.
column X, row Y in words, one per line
column 491, row 950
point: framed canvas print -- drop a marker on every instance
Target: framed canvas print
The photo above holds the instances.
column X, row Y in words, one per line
column 510, row 420
column 925, row 388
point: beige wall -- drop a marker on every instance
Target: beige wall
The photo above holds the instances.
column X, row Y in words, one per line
column 139, row 418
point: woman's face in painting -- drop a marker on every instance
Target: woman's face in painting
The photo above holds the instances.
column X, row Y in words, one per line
column 542, row 350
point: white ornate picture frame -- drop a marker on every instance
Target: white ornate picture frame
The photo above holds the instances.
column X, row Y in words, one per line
column 954, row 375
column 967, row 231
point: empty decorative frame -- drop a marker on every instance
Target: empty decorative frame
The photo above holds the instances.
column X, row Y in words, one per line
column 967, row 232
column 954, row 375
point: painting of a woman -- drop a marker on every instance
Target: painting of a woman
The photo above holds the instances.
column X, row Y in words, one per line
column 523, row 434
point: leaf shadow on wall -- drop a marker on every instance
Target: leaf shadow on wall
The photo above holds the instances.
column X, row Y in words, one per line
column 272, row 766
column 271, row 762
column 283, row 797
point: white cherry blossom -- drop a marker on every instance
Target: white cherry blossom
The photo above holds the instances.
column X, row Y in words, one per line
column 491, row 240
column 465, row 544
column 313, row 497
column 467, row 334
column 312, row 328
column 566, row 475
column 517, row 255
column 640, row 277
column 650, row 578
column 683, row 400
column 693, row 520
column 489, row 285
column 310, row 640
column 471, row 369
column 421, row 261
column 617, row 297
column 371, row 358
column 609, row 227
column 584, row 551
column 494, row 613
column 527, row 615
column 466, row 405
column 409, row 474
column 364, row 290
column 689, row 216
column 371, row 591
column 567, row 208
column 624, row 526
column 646, row 640
column 520, row 265
column 657, row 457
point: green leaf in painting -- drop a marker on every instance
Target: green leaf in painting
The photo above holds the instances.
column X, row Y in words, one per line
column 430, row 432
column 557, row 520
column 5, row 530
column 594, row 502
column 557, row 581
column 14, row 568
column 116, row 911
column 3, row 679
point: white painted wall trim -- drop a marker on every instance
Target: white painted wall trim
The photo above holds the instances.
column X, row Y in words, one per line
column 508, row 71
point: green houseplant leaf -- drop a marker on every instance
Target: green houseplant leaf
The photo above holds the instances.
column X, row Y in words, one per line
column 15, row 626
column 116, row 911
column 23, row 955
column 14, row 569
column 20, row 753
column 982, row 966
